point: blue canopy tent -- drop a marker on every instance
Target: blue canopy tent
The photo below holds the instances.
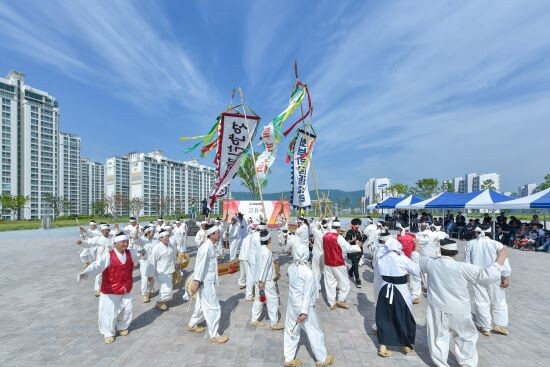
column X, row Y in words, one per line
column 389, row 203
column 539, row 200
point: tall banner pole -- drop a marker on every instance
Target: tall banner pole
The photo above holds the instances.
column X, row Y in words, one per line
column 253, row 157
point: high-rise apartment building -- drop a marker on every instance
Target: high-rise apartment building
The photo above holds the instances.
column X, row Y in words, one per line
column 117, row 184
column 69, row 172
column 527, row 189
column 92, row 184
column 475, row 182
column 375, row 190
column 30, row 133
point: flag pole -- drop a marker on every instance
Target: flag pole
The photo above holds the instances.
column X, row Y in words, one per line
column 253, row 157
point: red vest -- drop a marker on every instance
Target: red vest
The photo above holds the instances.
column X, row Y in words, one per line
column 117, row 278
column 332, row 251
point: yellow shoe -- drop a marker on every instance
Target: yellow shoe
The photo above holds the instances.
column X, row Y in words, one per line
column 249, row 299
column 219, row 339
column 277, row 326
column 333, row 307
column 146, row 298
column 242, row 286
column 162, row 306
column 342, row 304
column 123, row 332
column 109, row 340
column 501, row 330
column 196, row 329
column 407, row 350
column 383, row 351
column 327, row 362
column 483, row 331
column 257, row 323
column 416, row 301
column 293, row 363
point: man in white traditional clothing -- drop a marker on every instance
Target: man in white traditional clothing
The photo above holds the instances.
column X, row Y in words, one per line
column 317, row 261
column 243, row 231
column 180, row 235
column 98, row 246
column 160, row 224
column 428, row 246
column 408, row 242
column 336, row 274
column 87, row 256
column 265, row 283
column 233, row 238
column 200, row 236
column 490, row 300
column 372, row 232
column 219, row 244
column 205, row 279
column 302, row 231
column 253, row 249
column 243, row 263
column 162, row 264
column 395, row 324
column 115, row 302
column 132, row 230
column 301, row 313
column 438, row 235
column 448, row 315
column 145, row 245
column 282, row 235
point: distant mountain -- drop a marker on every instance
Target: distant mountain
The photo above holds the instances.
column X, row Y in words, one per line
column 337, row 196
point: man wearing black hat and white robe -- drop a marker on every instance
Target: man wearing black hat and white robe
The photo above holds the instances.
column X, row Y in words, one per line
column 448, row 315
column 395, row 323
column 336, row 274
column 145, row 244
column 490, row 300
column 205, row 280
column 162, row 264
column 265, row 284
column 98, row 246
column 115, row 302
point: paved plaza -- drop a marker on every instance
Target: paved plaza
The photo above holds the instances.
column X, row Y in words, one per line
column 47, row 319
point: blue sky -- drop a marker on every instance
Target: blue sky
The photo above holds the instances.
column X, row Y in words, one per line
column 400, row 89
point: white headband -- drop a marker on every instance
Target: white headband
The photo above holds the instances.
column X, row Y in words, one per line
column 120, row 238
column 167, row 228
column 450, row 246
column 212, row 230
column 336, row 224
column 104, row 226
column 383, row 238
column 163, row 234
column 148, row 229
column 267, row 237
column 92, row 223
column 262, row 227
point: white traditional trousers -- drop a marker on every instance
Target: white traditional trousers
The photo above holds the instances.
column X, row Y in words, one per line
column 115, row 313
column 97, row 282
column 233, row 248
column 86, row 256
column 490, row 306
column 164, row 282
column 415, row 282
column 207, row 307
column 272, row 303
column 250, row 280
column 317, row 265
column 146, row 286
column 312, row 329
column 336, row 277
column 441, row 327
column 243, row 269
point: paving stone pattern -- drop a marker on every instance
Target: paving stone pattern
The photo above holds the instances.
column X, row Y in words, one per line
column 47, row 319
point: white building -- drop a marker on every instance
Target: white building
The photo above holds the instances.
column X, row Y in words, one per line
column 475, row 182
column 69, row 172
column 493, row 179
column 92, row 184
column 30, row 132
column 374, row 190
column 527, row 189
column 117, row 184
column 168, row 187
column 459, row 184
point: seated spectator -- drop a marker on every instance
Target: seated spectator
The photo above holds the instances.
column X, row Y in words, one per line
column 450, row 225
column 503, row 232
column 460, row 220
column 487, row 219
column 501, row 217
column 545, row 243
column 535, row 220
column 468, row 231
column 520, row 236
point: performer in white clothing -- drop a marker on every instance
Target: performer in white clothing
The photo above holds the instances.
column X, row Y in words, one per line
column 336, row 274
column 448, row 315
column 145, row 244
column 162, row 264
column 133, row 231
column 301, row 313
column 160, row 224
column 428, row 246
column 395, row 323
column 233, row 238
column 219, row 244
column 244, row 269
column 265, row 283
column 205, row 279
column 317, row 261
column 87, row 256
column 115, row 302
column 180, row 234
column 372, row 232
column 98, row 246
column 490, row 300
column 200, row 236
column 253, row 248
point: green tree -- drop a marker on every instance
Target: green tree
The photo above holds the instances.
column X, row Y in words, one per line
column 346, row 202
column 247, row 174
column 14, row 203
column 397, row 189
column 447, row 186
column 545, row 184
column 57, row 203
column 426, row 187
column 99, row 206
column 488, row 184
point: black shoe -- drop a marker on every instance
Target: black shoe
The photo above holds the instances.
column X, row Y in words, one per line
column 358, row 283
